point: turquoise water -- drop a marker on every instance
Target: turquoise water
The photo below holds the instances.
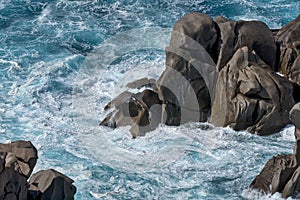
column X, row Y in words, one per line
column 62, row 61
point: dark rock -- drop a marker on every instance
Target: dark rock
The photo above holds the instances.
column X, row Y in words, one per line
column 20, row 155
column 253, row 34
column 17, row 161
column 51, row 185
column 141, row 111
column 293, row 185
column 182, row 86
column 249, row 95
column 275, row 174
column 200, row 27
column 281, row 173
column 295, row 117
column 294, row 73
column 289, row 38
column 13, row 185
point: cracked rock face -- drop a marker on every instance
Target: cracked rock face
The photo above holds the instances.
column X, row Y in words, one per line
column 222, row 71
column 51, row 185
column 282, row 172
column 17, row 161
column 141, row 111
column 289, row 39
column 20, row 155
column 250, row 95
column 253, row 34
column 181, row 86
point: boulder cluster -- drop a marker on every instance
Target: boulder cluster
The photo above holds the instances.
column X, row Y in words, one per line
column 231, row 73
column 17, row 161
column 282, row 172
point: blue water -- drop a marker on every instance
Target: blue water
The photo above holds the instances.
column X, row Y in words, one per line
column 62, row 61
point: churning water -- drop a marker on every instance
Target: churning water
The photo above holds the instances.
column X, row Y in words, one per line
column 62, row 61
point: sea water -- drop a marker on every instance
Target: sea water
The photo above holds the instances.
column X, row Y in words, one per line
column 62, row 61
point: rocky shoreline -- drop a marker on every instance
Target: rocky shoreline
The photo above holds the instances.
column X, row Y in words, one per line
column 231, row 73
column 17, row 161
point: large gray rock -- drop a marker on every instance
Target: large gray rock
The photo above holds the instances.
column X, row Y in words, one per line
column 51, row 185
column 250, row 95
column 253, row 34
column 182, row 86
column 288, row 37
column 241, row 90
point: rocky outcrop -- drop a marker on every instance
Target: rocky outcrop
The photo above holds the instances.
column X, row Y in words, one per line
column 221, row 71
column 281, row 173
column 289, row 41
column 182, row 86
column 51, row 185
column 17, row 161
column 252, row 34
column 250, row 95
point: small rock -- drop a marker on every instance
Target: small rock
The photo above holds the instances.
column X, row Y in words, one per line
column 51, row 185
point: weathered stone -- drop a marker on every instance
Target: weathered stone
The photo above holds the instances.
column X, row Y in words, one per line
column 141, row 111
column 182, row 86
column 293, row 185
column 249, row 95
column 13, row 185
column 289, row 39
column 200, row 27
column 294, row 74
column 20, row 155
column 295, row 116
column 51, row 185
column 275, row 174
column 253, row 34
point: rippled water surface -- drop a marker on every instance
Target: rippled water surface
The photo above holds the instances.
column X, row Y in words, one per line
column 62, row 61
